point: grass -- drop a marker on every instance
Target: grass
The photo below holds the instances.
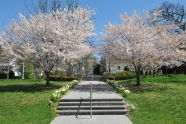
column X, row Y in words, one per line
column 26, row 102
column 160, row 100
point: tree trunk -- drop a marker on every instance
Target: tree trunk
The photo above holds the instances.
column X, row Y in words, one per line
column 72, row 71
column 138, row 74
column 144, row 73
column 23, row 71
column 47, row 78
column 8, row 72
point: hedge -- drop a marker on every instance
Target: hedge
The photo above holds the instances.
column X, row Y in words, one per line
column 4, row 75
column 62, row 78
column 120, row 75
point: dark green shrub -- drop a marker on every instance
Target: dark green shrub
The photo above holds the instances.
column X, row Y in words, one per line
column 41, row 77
column 120, row 75
column 106, row 75
column 3, row 75
column 62, row 78
column 79, row 75
column 124, row 75
column 29, row 70
column 111, row 77
column 59, row 72
column 11, row 75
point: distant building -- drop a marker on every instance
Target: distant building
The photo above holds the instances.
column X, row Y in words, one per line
column 7, row 64
column 112, row 66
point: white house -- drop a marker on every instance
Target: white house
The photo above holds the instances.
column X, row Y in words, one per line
column 113, row 66
column 7, row 64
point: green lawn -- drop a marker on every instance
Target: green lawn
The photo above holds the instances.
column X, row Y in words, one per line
column 160, row 100
column 25, row 102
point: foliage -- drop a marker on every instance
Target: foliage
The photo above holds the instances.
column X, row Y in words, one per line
column 79, row 75
column 3, row 75
column 29, row 70
column 119, row 88
column 119, row 76
column 56, row 96
column 40, row 77
column 62, row 78
column 105, row 74
column 141, row 45
column 122, row 75
column 97, row 70
column 49, row 39
column 59, row 72
column 11, row 75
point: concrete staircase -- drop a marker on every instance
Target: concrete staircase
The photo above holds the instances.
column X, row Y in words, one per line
column 99, row 107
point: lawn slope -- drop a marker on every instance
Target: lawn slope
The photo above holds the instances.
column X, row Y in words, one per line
column 160, row 100
column 26, row 102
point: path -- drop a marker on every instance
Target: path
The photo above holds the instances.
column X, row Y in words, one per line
column 101, row 90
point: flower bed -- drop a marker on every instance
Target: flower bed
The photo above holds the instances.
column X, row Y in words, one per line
column 56, row 96
column 122, row 91
column 119, row 88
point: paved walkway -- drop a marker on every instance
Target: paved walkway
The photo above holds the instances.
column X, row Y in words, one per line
column 100, row 90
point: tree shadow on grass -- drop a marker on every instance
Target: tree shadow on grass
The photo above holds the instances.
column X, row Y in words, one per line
column 179, row 82
column 28, row 88
column 145, row 87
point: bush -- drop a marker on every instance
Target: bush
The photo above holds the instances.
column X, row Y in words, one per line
column 106, row 75
column 3, row 75
column 40, row 77
column 11, row 75
column 62, row 78
column 59, row 72
column 119, row 88
column 111, row 77
column 56, row 96
column 79, row 75
column 124, row 75
column 29, row 70
column 119, row 76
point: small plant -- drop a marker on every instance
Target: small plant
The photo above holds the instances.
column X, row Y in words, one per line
column 56, row 96
column 130, row 107
column 119, row 88
column 123, row 91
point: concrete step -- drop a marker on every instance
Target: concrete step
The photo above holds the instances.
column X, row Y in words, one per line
column 87, row 100
column 101, row 103
column 93, row 107
column 113, row 106
column 94, row 112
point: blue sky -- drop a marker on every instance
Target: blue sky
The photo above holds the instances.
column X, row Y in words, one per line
column 106, row 10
